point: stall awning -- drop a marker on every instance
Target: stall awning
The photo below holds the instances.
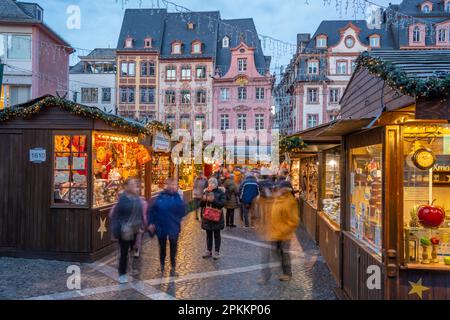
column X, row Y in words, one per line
column 329, row 135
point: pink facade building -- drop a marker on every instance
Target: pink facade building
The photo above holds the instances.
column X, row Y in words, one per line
column 36, row 58
column 242, row 96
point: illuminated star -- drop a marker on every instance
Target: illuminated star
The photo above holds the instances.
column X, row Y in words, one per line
column 418, row 288
column 102, row 229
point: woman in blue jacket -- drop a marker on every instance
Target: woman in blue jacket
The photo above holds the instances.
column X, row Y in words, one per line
column 164, row 218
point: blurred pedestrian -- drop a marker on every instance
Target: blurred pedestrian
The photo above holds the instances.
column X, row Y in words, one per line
column 249, row 190
column 127, row 220
column 164, row 218
column 213, row 220
column 277, row 226
column 200, row 185
column 231, row 200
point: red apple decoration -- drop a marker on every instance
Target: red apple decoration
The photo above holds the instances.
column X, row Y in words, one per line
column 431, row 216
column 435, row 241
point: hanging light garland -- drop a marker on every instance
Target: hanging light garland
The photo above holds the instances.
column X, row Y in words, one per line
column 33, row 107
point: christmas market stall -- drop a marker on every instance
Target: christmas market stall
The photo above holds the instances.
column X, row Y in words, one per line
column 396, row 214
column 315, row 175
column 63, row 166
column 161, row 164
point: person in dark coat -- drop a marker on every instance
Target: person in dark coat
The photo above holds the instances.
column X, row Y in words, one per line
column 232, row 199
column 164, row 217
column 215, row 198
column 128, row 212
column 249, row 191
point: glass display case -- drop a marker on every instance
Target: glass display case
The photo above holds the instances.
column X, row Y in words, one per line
column 115, row 159
column 366, row 195
column 160, row 171
column 332, row 193
column 295, row 175
column 70, row 170
column 426, row 189
column 186, row 176
column 309, row 181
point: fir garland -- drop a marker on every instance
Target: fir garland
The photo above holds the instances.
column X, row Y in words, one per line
column 292, row 145
column 33, row 107
column 398, row 80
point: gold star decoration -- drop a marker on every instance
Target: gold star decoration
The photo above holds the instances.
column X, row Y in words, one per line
column 102, row 229
column 418, row 288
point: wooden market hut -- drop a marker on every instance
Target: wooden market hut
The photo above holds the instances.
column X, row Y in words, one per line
column 61, row 169
column 395, row 162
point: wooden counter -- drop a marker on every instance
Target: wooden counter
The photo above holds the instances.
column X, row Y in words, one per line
column 309, row 219
column 329, row 235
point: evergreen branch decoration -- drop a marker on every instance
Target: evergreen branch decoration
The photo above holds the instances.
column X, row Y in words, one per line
column 432, row 87
column 33, row 107
column 292, row 145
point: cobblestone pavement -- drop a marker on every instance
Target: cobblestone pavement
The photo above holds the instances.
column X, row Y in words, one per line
column 233, row 277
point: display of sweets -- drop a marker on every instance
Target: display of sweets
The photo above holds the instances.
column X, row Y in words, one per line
column 78, row 197
column 331, row 207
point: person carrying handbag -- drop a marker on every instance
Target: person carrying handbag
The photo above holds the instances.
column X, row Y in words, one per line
column 213, row 220
column 127, row 221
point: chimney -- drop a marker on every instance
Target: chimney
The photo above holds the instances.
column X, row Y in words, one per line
column 302, row 41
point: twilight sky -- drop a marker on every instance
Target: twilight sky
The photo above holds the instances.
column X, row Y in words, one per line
column 281, row 19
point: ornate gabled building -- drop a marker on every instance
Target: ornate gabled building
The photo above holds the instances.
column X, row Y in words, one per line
column 324, row 63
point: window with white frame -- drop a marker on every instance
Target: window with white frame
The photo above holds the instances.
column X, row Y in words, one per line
column 106, row 95
column 442, row 35
column 127, row 69
column 129, row 42
column 242, row 65
column 201, row 97
column 185, row 97
column 186, row 73
column 375, row 41
column 147, row 95
column 224, row 122
column 16, row 46
column 313, row 120
column 313, row 67
column 225, row 42
column 170, row 119
column 171, row 73
column 127, row 94
column 202, row 119
column 259, row 122
column 147, row 69
column 321, row 42
column 170, row 98
column 417, row 34
column 224, row 94
column 313, row 95
column 176, row 48
column 185, row 122
column 201, row 72
column 242, row 122
column 335, row 95
column 341, row 67
column 197, row 48
column 260, row 94
column 242, row 93
column 89, row 95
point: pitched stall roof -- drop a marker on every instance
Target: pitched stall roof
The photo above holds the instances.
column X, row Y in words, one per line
column 33, row 107
column 235, row 29
column 416, row 73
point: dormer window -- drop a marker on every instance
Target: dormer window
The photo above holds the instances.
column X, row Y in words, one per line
column 147, row 42
column 349, row 42
column 226, row 42
column 176, row 48
column 313, row 67
column 191, row 26
column 321, row 41
column 427, row 7
column 129, row 42
column 447, row 6
column 416, row 34
column 374, row 41
column 196, row 47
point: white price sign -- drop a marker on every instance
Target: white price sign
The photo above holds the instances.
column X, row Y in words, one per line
column 38, row 155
